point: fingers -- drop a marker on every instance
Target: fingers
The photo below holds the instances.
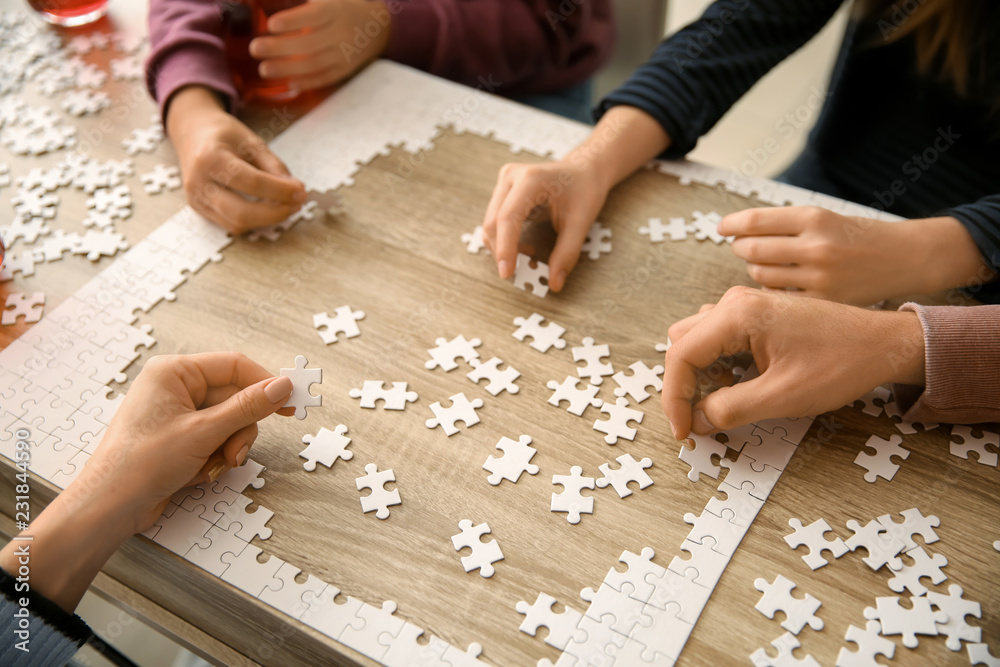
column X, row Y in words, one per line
column 768, row 249
column 500, row 191
column 775, row 276
column 216, row 369
column 236, row 448
column 284, row 46
column 566, row 252
column 237, row 215
column 247, row 179
column 302, row 66
column 306, row 15
column 779, row 220
column 510, row 219
column 244, row 408
column 324, row 77
column 742, row 403
column 269, row 162
column 717, row 334
column 680, row 329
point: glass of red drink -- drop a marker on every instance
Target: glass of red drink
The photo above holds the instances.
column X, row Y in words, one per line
column 243, row 20
column 70, row 12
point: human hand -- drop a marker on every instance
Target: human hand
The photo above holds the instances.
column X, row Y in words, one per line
column 322, row 42
column 230, row 175
column 569, row 191
column 186, row 419
column 853, row 260
column 812, row 355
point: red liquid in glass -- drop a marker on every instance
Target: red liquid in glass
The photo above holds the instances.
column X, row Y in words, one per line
column 70, row 12
column 242, row 21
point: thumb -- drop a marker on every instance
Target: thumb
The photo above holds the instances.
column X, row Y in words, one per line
column 566, row 252
column 246, row 407
column 742, row 403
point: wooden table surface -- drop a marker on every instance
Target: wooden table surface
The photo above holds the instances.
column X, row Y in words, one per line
column 394, row 252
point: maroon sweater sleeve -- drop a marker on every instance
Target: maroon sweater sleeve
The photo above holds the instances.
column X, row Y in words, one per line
column 962, row 356
column 519, row 47
column 186, row 49
column 509, row 47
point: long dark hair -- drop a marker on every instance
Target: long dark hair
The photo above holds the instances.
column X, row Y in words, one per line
column 948, row 35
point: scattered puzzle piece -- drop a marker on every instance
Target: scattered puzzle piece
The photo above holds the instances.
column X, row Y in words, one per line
column 447, row 351
column 914, row 523
column 474, row 241
column 784, row 644
column 161, row 178
column 880, row 464
column 302, row 379
column 897, row 620
column 499, row 380
column 598, row 241
column 571, row 500
column 345, row 322
column 594, row 369
column 379, row 500
column 326, row 447
column 870, row 643
column 812, row 537
column 542, row 337
column 516, row 460
column 882, row 547
column 634, row 385
column 392, row 399
column 979, row 654
column 778, row 597
column 957, row 608
column 578, row 399
column 27, row 305
column 484, row 554
column 461, row 410
column 616, row 426
column 908, row 576
column 629, row 470
column 971, row 443
column 676, row 229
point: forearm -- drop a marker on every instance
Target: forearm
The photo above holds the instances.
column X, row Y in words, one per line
column 70, row 542
column 624, row 140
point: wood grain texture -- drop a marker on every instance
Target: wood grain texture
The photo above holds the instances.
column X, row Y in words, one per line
column 395, row 253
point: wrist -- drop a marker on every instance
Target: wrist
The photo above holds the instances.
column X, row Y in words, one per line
column 185, row 104
column 903, row 347
column 947, row 254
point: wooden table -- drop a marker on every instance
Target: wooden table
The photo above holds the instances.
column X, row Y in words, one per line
column 394, row 252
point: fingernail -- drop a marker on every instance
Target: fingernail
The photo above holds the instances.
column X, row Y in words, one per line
column 216, row 471
column 278, row 389
column 503, row 268
column 701, row 423
column 242, row 456
column 673, row 429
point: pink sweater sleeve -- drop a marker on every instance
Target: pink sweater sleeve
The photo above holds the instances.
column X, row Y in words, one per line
column 962, row 356
column 187, row 49
column 519, row 47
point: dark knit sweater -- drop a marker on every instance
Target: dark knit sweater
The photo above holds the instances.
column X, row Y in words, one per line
column 887, row 136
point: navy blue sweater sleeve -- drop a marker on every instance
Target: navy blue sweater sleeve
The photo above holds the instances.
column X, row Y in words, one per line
column 40, row 633
column 982, row 221
column 697, row 74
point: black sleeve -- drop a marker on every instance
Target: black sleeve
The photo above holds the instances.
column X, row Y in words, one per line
column 52, row 635
column 697, row 74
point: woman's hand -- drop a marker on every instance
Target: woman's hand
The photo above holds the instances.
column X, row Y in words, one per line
column 813, row 356
column 230, row 175
column 186, row 419
column 322, row 42
column 571, row 191
column 848, row 259
column 571, row 194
